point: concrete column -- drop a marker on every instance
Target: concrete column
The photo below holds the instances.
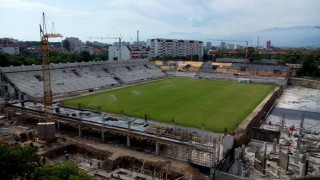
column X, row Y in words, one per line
column 239, row 167
column 128, row 141
column 296, row 158
column 103, row 120
column 218, row 153
column 302, row 169
column 103, row 136
column 243, row 151
column 282, row 123
column 189, row 154
column 129, row 125
column 213, row 163
column 275, row 142
column 157, row 148
column 302, row 121
column 171, row 151
column 244, row 173
column 299, row 139
column 277, row 173
column 80, row 131
column 264, row 150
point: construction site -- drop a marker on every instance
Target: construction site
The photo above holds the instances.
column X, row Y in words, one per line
column 279, row 139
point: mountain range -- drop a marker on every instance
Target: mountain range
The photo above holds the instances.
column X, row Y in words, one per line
column 297, row 36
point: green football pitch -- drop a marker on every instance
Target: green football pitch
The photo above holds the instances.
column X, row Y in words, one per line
column 190, row 102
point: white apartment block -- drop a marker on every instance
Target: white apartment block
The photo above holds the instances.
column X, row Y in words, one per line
column 128, row 52
column 175, row 47
column 113, row 52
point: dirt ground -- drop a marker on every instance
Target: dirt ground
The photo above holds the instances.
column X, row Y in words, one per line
column 17, row 133
column 121, row 151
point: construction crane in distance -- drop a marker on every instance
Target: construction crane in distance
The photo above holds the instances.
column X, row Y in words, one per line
column 247, row 43
column 101, row 38
column 118, row 38
column 119, row 45
column 47, row 92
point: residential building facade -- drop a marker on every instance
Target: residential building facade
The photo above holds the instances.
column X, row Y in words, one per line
column 174, row 47
column 267, row 45
column 223, row 45
column 128, row 52
column 9, row 45
column 208, row 46
column 75, row 44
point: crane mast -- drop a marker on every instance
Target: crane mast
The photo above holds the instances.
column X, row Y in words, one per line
column 47, row 92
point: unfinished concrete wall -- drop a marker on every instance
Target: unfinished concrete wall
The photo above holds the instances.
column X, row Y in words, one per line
column 307, row 83
column 46, row 130
column 244, row 130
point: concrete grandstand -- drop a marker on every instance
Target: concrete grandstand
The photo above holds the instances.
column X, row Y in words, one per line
column 25, row 82
column 227, row 71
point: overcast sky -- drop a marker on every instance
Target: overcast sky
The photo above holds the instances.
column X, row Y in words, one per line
column 83, row 18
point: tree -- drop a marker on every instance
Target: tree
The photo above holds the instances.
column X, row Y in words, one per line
column 85, row 56
column 309, row 67
column 64, row 171
column 205, row 57
column 66, row 44
column 18, row 162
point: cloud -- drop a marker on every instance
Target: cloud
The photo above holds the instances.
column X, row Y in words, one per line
column 150, row 17
column 21, row 5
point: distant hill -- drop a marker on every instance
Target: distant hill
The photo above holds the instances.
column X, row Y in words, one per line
column 297, row 36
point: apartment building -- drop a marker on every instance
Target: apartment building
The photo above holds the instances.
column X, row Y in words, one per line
column 174, row 47
column 9, row 45
column 75, row 44
column 128, row 52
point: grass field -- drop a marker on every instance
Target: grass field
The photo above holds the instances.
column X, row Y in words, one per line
column 190, row 102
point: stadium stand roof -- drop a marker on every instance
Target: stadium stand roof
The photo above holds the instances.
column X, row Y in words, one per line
column 232, row 60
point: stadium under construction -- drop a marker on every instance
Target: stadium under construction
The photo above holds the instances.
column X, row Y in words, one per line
column 217, row 153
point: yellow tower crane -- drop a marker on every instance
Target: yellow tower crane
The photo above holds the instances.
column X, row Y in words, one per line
column 47, row 93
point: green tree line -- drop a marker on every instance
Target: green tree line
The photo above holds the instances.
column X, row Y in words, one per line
column 26, row 58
